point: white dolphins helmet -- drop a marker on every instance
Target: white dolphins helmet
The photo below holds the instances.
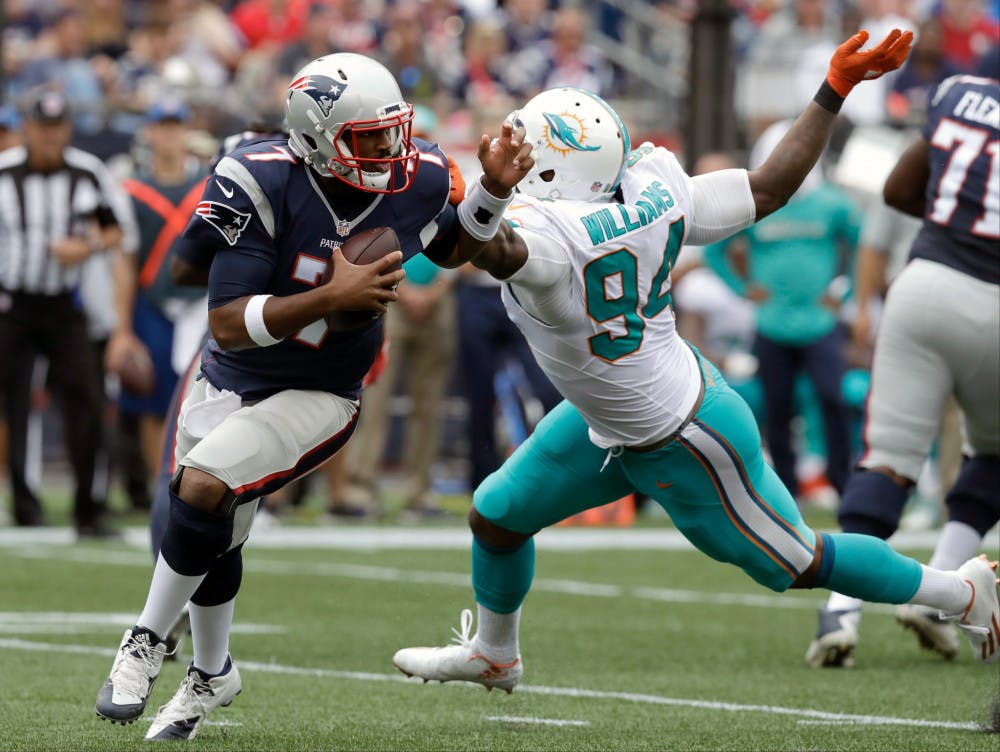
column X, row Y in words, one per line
column 336, row 97
column 579, row 143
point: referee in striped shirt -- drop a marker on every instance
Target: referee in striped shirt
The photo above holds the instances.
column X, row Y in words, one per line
column 58, row 205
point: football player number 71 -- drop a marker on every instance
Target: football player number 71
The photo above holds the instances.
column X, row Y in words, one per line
column 624, row 265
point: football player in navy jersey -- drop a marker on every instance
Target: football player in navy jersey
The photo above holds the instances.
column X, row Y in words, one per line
column 277, row 392
column 939, row 335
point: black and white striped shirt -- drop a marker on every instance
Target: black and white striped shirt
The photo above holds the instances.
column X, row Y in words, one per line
column 38, row 209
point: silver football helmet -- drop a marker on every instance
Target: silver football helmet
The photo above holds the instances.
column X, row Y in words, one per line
column 579, row 143
column 338, row 97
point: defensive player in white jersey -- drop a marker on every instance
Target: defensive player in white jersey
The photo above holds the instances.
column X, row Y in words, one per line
column 585, row 260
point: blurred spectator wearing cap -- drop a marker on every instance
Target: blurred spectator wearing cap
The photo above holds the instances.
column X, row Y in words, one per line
column 60, row 206
column 156, row 319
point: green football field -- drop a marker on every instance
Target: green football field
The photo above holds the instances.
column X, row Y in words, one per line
column 630, row 642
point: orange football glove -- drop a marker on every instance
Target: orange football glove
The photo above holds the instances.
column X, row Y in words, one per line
column 457, row 191
column 849, row 66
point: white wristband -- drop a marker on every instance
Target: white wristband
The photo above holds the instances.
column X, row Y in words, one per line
column 481, row 212
column 253, row 317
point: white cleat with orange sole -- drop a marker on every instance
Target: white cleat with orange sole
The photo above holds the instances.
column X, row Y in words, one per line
column 459, row 662
column 981, row 620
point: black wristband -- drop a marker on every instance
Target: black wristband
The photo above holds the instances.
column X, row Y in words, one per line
column 828, row 99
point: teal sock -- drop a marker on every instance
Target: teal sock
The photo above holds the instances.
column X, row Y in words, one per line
column 866, row 567
column 501, row 578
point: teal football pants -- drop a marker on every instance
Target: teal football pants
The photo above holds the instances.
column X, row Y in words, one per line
column 713, row 482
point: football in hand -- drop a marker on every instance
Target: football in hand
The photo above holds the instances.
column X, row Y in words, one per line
column 136, row 374
column 364, row 248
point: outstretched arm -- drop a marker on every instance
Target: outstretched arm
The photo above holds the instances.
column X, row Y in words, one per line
column 774, row 182
column 484, row 238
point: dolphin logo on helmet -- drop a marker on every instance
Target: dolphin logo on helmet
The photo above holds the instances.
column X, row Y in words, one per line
column 564, row 133
column 580, row 145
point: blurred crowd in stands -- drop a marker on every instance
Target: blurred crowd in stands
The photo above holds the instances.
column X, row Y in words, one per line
column 465, row 64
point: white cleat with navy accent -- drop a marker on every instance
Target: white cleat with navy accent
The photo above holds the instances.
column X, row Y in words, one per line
column 459, row 662
column 981, row 620
column 836, row 639
column 123, row 697
column 198, row 696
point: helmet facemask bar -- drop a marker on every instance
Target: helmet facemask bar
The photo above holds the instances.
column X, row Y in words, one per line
column 391, row 174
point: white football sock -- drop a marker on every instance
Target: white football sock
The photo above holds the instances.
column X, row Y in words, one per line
column 210, row 627
column 945, row 591
column 841, row 602
column 957, row 544
column 497, row 634
column 168, row 594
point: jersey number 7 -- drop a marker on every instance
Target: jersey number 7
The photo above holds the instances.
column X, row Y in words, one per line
column 624, row 265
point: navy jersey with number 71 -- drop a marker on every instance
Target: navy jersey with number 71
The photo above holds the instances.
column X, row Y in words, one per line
column 274, row 228
column 962, row 219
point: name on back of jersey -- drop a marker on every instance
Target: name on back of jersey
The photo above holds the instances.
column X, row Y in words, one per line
column 614, row 220
column 979, row 108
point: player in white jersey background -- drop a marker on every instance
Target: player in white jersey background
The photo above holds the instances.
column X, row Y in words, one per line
column 586, row 258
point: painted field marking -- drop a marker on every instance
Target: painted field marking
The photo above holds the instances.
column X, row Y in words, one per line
column 529, row 719
column 75, row 622
column 387, row 538
column 800, row 601
column 632, row 697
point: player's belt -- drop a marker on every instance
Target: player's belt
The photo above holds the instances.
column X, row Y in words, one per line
column 643, row 448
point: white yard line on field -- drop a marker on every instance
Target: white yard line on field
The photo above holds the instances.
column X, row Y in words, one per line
column 277, row 567
column 377, row 538
column 529, row 719
column 593, row 694
column 75, row 622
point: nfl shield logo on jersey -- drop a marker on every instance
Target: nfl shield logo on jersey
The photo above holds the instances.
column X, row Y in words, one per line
column 343, row 228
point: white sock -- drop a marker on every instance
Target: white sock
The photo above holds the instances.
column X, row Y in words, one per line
column 841, row 602
column 497, row 634
column 168, row 594
column 210, row 635
column 945, row 591
column 957, row 544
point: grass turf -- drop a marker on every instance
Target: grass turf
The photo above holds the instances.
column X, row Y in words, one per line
column 613, row 652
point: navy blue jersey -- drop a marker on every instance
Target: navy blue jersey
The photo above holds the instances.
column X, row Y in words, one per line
column 962, row 220
column 274, row 228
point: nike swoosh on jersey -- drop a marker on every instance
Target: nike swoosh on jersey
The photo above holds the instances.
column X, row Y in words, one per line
column 227, row 193
column 663, row 485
